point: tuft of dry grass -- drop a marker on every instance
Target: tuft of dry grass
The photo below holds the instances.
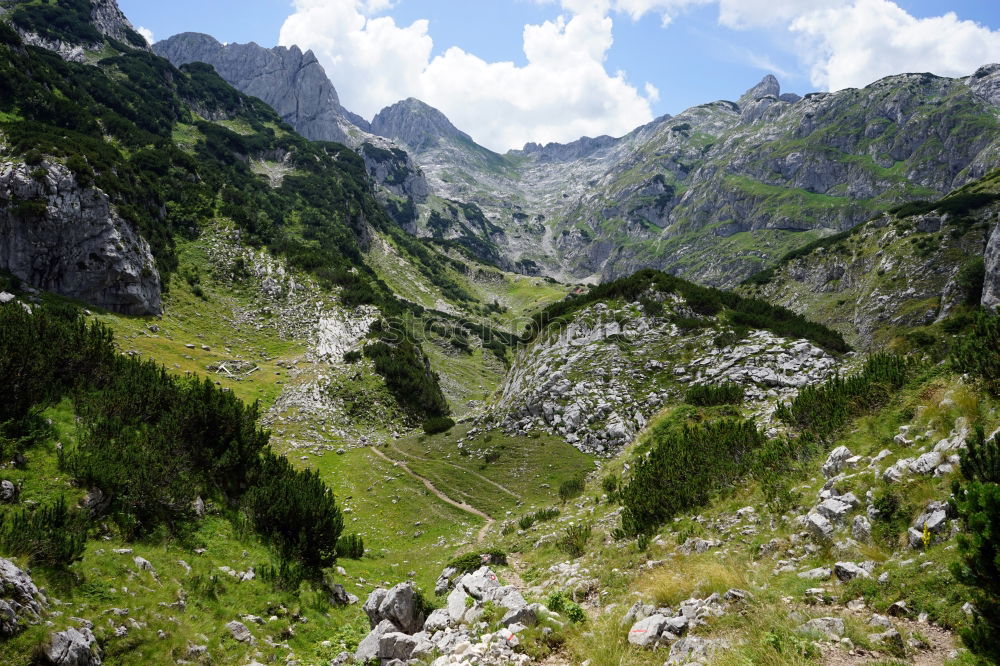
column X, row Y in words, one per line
column 693, row 576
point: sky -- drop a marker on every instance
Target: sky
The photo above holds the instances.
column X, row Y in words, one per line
column 512, row 71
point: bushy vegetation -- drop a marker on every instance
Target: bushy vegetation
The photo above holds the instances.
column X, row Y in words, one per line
column 703, row 301
column 409, row 377
column 825, row 408
column 977, row 502
column 574, row 540
column 438, row 424
column 472, row 561
column 978, row 351
column 52, row 536
column 707, row 395
column 153, row 443
column 571, row 489
column 685, row 466
column 351, row 546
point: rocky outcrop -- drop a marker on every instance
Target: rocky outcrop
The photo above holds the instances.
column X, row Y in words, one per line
column 597, row 380
column 58, row 235
column 111, row 22
column 106, row 18
column 73, row 647
column 21, row 603
column 291, row 82
column 991, row 259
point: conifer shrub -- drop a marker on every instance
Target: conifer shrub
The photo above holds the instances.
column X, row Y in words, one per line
column 351, row 546
column 684, row 468
column 571, row 489
column 438, row 424
column 51, row 535
column 574, row 540
column 707, row 395
column 977, row 503
column 823, row 409
column 978, row 351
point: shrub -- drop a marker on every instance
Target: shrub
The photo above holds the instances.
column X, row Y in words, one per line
column 351, row 546
column 526, row 522
column 684, row 468
column 352, row 357
column 50, row 535
column 977, row 502
column 825, row 408
column 574, row 541
column 710, row 396
column 546, row 514
column 970, row 280
column 438, row 424
column 978, row 352
column 571, row 489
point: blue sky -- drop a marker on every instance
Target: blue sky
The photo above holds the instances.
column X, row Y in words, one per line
column 687, row 51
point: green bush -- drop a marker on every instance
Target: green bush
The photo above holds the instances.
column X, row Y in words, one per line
column 977, row 502
column 571, row 489
column 472, row 561
column 50, row 535
column 706, row 395
column 970, row 280
column 409, row 377
column 438, row 424
column 351, row 546
column 684, row 468
column 525, row 522
column 978, row 351
column 825, row 408
column 574, row 540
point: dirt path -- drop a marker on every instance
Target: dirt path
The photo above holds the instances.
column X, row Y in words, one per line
column 464, row 469
column 440, row 495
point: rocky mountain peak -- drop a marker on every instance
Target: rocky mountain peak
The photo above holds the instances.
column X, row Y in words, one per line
column 110, row 21
column 293, row 83
column 768, row 87
column 415, row 124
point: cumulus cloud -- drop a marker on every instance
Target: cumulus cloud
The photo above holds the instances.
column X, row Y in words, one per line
column 146, row 33
column 850, row 43
column 868, row 39
column 563, row 92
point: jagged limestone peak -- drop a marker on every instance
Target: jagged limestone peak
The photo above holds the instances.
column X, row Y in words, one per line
column 768, row 86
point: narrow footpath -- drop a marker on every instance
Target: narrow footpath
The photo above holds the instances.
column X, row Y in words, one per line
column 440, row 495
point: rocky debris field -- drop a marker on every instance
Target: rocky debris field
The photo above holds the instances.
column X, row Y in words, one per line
column 597, row 380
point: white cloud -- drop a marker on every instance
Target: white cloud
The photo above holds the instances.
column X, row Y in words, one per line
column 563, row 92
column 851, row 43
column 868, row 39
column 146, row 33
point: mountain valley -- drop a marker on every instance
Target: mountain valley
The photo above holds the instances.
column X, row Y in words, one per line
column 285, row 385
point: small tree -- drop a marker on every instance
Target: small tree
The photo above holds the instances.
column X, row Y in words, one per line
column 977, row 502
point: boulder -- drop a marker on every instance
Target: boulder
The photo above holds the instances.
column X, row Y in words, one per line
column 144, row 564
column 341, row 597
column 819, row 527
column 396, row 645
column 691, row 649
column 846, row 571
column 20, row 601
column 399, row 605
column 819, row 573
column 368, row 649
column 523, row 615
column 8, row 492
column 833, row 509
column 73, row 647
column 890, row 640
column 239, row 632
column 831, row 627
column 651, row 632
column 444, row 581
column 457, row 604
column 836, row 461
column 478, row 582
column 438, row 620
column 861, row 529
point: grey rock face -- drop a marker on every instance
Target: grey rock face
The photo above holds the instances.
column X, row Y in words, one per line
column 75, row 243
column 986, row 83
column 110, row 21
column 73, row 647
column 991, row 286
column 694, row 649
column 416, row 125
column 291, row 82
column 20, row 601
